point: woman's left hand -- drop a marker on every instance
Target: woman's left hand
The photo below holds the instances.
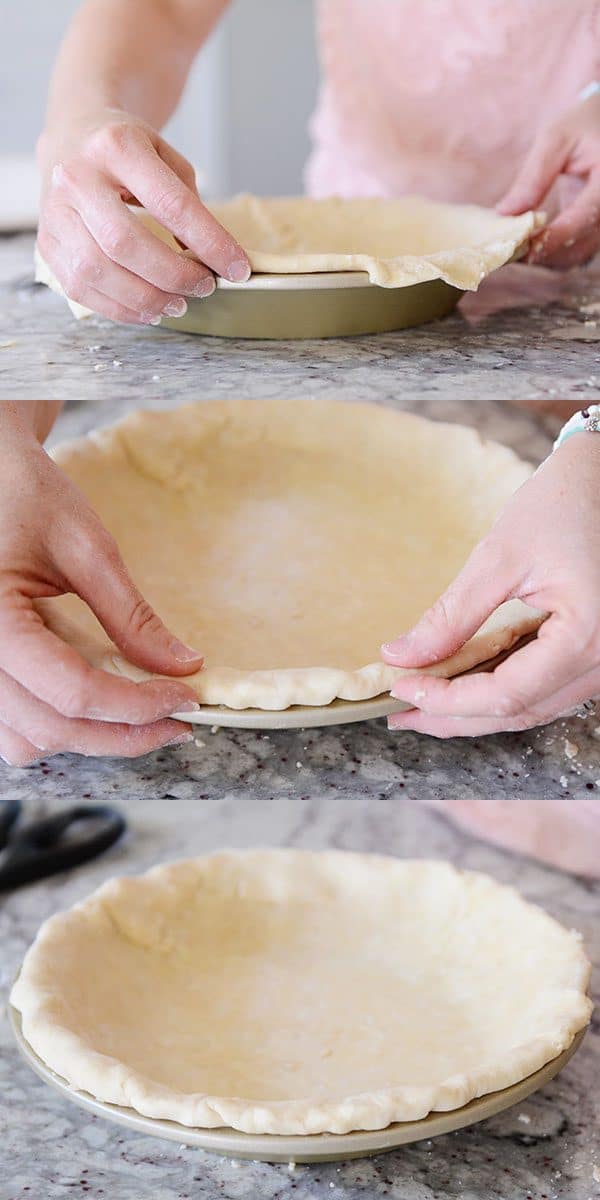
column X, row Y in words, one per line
column 569, row 147
column 545, row 550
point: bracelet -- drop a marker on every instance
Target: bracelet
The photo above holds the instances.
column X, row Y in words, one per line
column 586, row 421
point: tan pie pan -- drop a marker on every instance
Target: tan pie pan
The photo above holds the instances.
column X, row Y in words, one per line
column 331, row 304
column 316, row 305
column 322, row 1147
column 298, row 716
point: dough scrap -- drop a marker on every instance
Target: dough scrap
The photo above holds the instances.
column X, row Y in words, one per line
column 291, row 992
column 287, row 540
column 397, row 242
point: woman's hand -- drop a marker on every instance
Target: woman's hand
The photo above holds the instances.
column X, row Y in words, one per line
column 570, row 147
column 50, row 699
column 545, row 550
column 101, row 254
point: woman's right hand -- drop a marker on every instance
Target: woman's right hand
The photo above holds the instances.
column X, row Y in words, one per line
column 101, row 254
column 51, row 700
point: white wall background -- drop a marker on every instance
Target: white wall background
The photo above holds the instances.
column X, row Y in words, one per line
column 244, row 115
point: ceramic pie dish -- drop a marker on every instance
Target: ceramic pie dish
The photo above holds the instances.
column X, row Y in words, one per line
column 334, row 267
column 334, row 304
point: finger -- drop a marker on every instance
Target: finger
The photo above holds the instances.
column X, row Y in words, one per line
column 520, row 685
column 475, row 593
column 563, row 704
column 94, row 565
column 52, row 250
column 455, row 727
column 127, row 241
column 574, row 254
column 103, row 306
column 124, row 238
column 15, row 750
column 125, row 741
column 55, row 673
column 579, row 221
column 542, row 165
column 48, row 732
column 92, row 279
column 160, row 190
column 89, row 266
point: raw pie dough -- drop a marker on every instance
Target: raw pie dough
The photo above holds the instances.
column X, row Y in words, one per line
column 288, row 539
column 397, row 242
column 287, row 992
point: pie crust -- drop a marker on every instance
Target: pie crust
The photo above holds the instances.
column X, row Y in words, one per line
column 398, row 242
column 291, row 992
column 287, row 540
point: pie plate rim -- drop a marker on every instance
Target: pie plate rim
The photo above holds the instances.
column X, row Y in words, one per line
column 306, row 1148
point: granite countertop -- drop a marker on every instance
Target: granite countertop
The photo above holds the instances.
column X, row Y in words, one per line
column 527, row 333
column 355, row 787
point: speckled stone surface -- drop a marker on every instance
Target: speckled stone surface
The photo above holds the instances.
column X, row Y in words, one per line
column 355, row 787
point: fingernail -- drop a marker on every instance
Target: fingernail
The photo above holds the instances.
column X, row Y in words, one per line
column 180, row 739
column 175, row 308
column 150, row 320
column 21, row 766
column 396, row 720
column 412, row 702
column 183, row 653
column 204, row 288
column 397, row 646
column 238, row 271
column 187, row 706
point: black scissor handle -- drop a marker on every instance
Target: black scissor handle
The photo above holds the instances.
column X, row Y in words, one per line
column 9, row 812
column 38, row 850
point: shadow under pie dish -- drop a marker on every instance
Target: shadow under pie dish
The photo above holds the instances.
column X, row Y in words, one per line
column 287, row 540
column 292, row 992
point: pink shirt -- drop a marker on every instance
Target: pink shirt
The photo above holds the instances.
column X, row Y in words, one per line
column 443, row 97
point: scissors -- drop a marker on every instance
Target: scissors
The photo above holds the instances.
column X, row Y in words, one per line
column 41, row 848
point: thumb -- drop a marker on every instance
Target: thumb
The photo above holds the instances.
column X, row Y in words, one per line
column 456, row 615
column 542, row 165
column 104, row 583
